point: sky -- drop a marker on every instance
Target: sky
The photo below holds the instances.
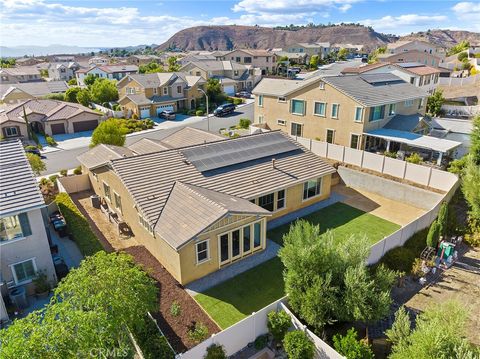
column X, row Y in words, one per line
column 111, row 23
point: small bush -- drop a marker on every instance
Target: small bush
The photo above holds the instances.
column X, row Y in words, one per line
column 78, row 226
column 175, row 309
column 237, row 101
column 77, row 171
column 198, row 333
column 63, row 173
column 53, row 178
column 135, row 116
column 244, row 123
column 50, row 141
column 278, row 324
column 45, row 181
column 414, row 158
column 402, row 258
column 199, row 113
column 298, row 346
column 433, row 234
column 30, row 148
column 191, row 112
column 261, row 342
column 215, row 351
column 350, row 347
column 390, row 154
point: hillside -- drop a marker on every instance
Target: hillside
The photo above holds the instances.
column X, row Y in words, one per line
column 233, row 36
column 445, row 38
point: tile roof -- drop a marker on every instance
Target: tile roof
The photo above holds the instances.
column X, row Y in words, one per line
column 36, row 89
column 102, row 154
column 117, row 68
column 22, row 70
column 191, row 209
column 147, row 145
column 281, row 87
column 418, row 69
column 214, row 65
column 362, row 69
column 18, row 188
column 189, row 136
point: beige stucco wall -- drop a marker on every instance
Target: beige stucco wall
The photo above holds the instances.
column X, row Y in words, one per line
column 266, row 63
column 35, row 246
column 16, row 96
column 21, row 128
column 414, row 56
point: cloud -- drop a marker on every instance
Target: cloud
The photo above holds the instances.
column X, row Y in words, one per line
column 404, row 23
column 286, row 6
column 469, row 14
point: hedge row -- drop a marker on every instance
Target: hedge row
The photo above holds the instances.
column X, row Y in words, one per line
column 78, row 226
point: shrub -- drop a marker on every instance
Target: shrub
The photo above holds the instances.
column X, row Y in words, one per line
column 462, row 56
column 414, row 158
column 215, row 351
column 199, row 113
column 244, row 123
column 53, row 178
column 30, row 148
column 45, row 181
column 36, row 163
column 390, row 154
column 78, row 170
column 153, row 344
column 261, row 342
column 457, row 166
column 350, row 347
column 77, row 225
column 442, row 219
column 237, row 101
column 191, row 112
column 433, row 234
column 298, row 346
column 135, row 116
column 402, row 258
column 175, row 309
column 198, row 332
column 278, row 324
column 63, row 173
column 50, row 141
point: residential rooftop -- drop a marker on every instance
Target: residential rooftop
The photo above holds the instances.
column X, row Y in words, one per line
column 36, row 89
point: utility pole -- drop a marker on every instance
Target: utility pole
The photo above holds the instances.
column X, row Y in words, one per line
column 208, row 118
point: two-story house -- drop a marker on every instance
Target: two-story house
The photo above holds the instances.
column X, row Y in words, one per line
column 200, row 208
column 413, row 51
column 143, row 59
column 146, row 95
column 62, row 71
column 233, row 76
column 321, row 49
column 111, row 72
column 24, row 245
column 262, row 59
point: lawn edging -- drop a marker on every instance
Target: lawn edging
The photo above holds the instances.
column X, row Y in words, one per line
column 77, row 225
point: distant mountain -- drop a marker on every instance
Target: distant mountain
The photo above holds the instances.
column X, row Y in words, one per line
column 19, row 51
column 233, row 36
column 445, row 38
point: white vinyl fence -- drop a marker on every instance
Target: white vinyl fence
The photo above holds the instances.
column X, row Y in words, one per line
column 110, row 113
column 423, row 175
column 239, row 335
column 458, row 81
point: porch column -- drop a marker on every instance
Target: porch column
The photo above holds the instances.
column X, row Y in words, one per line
column 388, row 146
column 439, row 160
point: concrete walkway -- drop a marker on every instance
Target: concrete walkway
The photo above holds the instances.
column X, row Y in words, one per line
column 233, row 270
column 67, row 249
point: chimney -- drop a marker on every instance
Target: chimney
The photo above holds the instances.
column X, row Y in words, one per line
column 273, row 163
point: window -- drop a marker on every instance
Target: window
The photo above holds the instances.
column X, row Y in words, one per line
column 260, row 100
column 330, row 136
column 106, row 191
column 155, row 90
column 267, row 202
column 412, row 80
column 320, row 108
column 13, row 227
column 11, row 131
column 238, row 59
column 247, row 60
column 202, row 251
column 280, row 199
column 297, row 107
column 358, row 114
column 24, row 271
column 354, row 141
column 224, row 255
column 420, row 83
column 377, row 113
column 235, row 243
column 130, row 90
column 165, row 91
column 321, row 85
column 118, row 201
column 335, row 108
column 296, row 129
column 235, row 73
column 420, row 103
column 197, row 73
column 257, row 235
column 179, row 89
column 312, row 188
column 408, row 103
column 391, row 109
column 281, row 122
column 145, row 224
column 282, row 99
column 246, row 239
column 260, row 118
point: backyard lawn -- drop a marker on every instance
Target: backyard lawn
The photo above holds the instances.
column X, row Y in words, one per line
column 235, row 299
column 344, row 221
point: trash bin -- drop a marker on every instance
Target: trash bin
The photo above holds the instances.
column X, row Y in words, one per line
column 95, row 201
column 19, row 297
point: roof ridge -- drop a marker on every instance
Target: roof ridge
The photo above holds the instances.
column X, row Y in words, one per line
column 191, row 188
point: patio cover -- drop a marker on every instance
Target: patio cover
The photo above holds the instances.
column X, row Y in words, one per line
column 415, row 140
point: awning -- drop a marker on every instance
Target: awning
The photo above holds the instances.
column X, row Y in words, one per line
column 415, row 140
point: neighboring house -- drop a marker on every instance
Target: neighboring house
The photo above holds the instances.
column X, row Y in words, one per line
column 62, row 71
column 111, row 72
column 196, row 57
column 98, row 60
column 14, row 75
column 321, row 49
column 143, row 59
column 146, row 95
column 50, row 116
column 352, row 48
column 24, row 244
column 28, row 61
column 199, row 208
column 413, row 51
column 293, row 57
column 455, row 130
column 63, row 58
column 233, row 76
column 262, row 59
column 13, row 93
column 420, row 75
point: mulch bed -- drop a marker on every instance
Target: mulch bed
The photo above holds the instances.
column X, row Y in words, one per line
column 174, row 328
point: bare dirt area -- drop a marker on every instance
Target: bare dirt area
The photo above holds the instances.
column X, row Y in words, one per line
column 460, row 91
column 174, row 328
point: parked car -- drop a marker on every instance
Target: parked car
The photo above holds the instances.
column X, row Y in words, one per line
column 243, row 94
column 61, row 268
column 167, row 115
column 224, row 109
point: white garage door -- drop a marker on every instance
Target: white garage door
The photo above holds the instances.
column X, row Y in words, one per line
column 164, row 108
column 229, row 90
column 144, row 112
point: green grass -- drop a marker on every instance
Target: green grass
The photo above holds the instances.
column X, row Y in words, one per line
column 344, row 221
column 235, row 299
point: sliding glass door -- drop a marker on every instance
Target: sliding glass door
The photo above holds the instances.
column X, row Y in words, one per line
column 241, row 242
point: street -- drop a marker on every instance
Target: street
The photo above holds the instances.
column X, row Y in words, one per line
column 67, row 159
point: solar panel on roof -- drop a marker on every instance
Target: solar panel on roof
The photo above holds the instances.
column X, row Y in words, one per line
column 380, row 78
column 227, row 153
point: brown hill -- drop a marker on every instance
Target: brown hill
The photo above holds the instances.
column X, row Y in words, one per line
column 234, row 36
column 445, row 38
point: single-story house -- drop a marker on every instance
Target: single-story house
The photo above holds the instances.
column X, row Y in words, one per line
column 13, row 93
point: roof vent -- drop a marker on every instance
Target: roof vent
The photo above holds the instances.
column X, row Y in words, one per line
column 273, row 163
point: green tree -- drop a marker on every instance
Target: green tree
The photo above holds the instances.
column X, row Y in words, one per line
column 278, row 324
column 471, row 190
column 214, row 91
column 71, row 94
column 108, row 132
column 401, row 327
column 83, row 97
column 172, row 64
column 91, row 309
column 314, row 61
column 373, row 57
column 348, row 346
column 104, row 90
column 464, row 45
column 475, row 140
column 72, row 82
column 442, row 219
column 149, row 68
column 36, row 163
column 298, row 346
column 342, row 54
column 328, row 280
column 433, row 234
column 435, row 102
column 89, row 79
column 462, row 56
column 282, row 59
